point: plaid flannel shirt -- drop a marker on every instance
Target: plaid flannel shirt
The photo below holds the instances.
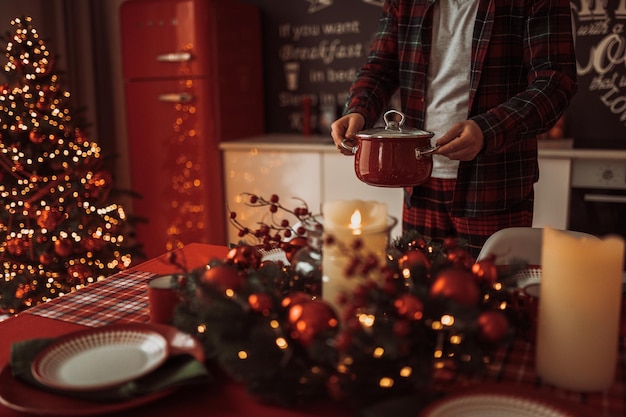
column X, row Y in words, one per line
column 522, row 78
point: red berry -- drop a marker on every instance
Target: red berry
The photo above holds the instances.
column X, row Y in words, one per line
column 357, row 244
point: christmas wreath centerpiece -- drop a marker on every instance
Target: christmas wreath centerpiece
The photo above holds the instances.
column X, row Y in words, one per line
column 434, row 309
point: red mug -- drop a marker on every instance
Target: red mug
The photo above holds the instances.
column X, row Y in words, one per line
column 163, row 297
column 526, row 302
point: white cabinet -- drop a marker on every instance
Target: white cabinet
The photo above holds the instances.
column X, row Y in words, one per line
column 552, row 193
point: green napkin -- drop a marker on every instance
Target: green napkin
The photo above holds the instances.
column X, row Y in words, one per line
column 177, row 371
column 404, row 406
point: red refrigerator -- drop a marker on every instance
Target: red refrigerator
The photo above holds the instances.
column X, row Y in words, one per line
column 193, row 78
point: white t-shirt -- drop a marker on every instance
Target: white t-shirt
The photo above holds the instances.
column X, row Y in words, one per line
column 447, row 89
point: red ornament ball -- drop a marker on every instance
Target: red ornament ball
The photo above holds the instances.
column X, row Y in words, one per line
column 460, row 258
column 79, row 136
column 63, row 247
column 50, row 219
column 78, row 274
column 311, row 319
column 93, row 244
column 293, row 246
column 45, row 259
column 260, row 303
column 17, row 246
column 409, row 307
column 294, row 298
column 414, row 258
column 245, row 256
column 98, row 185
column 36, row 137
column 486, row 270
column 458, row 285
column 493, row 326
column 224, row 277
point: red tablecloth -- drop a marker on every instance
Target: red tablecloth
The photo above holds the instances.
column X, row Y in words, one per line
column 122, row 298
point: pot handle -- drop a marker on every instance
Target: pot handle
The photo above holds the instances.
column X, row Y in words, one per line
column 426, row 152
column 393, row 124
column 349, row 148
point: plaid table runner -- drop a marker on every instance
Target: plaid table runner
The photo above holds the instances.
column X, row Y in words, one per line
column 120, row 298
column 515, row 363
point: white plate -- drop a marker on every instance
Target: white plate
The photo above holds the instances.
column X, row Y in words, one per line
column 100, row 358
column 274, row 255
column 528, row 276
column 485, row 404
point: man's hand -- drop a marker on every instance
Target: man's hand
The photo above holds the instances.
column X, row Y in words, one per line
column 345, row 128
column 463, row 141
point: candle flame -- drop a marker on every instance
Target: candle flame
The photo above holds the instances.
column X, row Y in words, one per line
column 355, row 222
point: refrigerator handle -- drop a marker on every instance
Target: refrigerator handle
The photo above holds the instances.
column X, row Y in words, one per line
column 174, row 57
column 176, row 97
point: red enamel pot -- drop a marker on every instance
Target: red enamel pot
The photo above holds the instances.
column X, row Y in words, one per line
column 392, row 156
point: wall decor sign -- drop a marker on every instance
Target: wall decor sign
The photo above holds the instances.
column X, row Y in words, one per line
column 597, row 115
column 313, row 50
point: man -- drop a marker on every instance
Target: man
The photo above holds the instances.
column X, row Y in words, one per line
column 486, row 76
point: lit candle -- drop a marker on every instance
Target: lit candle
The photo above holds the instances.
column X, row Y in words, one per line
column 579, row 310
column 346, row 222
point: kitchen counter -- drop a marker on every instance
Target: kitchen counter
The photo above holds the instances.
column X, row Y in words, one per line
column 563, row 148
column 549, row 148
column 283, row 142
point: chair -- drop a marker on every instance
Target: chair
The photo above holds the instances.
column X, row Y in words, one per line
column 520, row 243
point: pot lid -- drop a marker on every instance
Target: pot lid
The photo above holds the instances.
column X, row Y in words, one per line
column 394, row 129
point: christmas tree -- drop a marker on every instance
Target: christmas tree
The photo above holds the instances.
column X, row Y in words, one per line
column 59, row 231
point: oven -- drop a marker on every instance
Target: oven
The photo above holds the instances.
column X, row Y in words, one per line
column 598, row 195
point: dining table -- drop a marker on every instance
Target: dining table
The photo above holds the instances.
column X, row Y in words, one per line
column 123, row 299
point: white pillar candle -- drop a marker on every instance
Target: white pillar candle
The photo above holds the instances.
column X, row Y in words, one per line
column 579, row 310
column 346, row 222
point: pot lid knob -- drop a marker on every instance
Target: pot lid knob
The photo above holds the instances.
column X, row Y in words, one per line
column 393, row 124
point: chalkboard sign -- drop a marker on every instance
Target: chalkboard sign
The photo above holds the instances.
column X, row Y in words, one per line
column 597, row 115
column 312, row 51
